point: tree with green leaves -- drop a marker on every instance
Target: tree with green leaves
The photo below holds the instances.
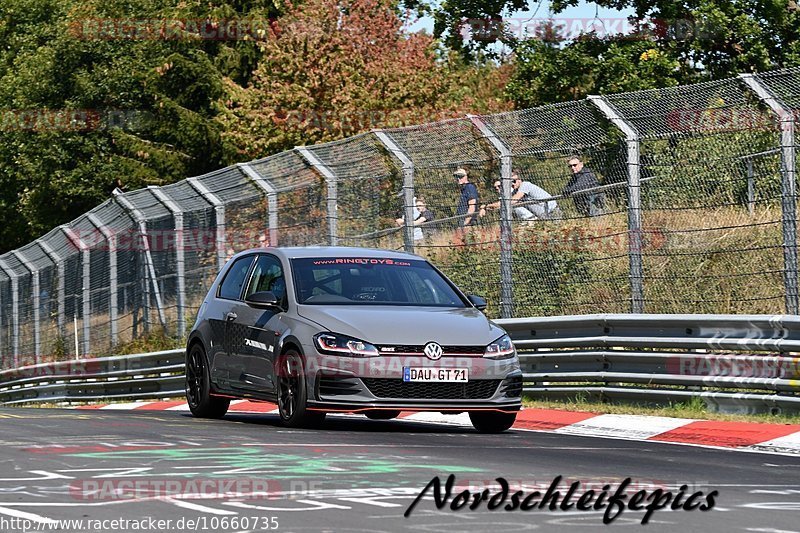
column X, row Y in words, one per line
column 671, row 42
column 546, row 72
column 98, row 94
column 331, row 69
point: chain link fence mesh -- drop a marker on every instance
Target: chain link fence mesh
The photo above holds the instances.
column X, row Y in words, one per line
column 572, row 252
column 717, row 183
column 365, row 181
column 300, row 205
column 452, row 240
column 707, row 244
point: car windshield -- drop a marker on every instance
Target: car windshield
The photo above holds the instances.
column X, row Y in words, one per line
column 370, row 280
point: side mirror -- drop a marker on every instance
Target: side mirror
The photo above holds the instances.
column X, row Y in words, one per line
column 477, row 301
column 262, row 300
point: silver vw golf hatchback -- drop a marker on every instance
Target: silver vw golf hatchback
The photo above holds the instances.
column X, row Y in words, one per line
column 334, row 329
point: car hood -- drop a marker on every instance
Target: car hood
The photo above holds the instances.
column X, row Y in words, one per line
column 405, row 325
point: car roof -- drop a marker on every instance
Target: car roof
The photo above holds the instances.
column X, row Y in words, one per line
column 298, row 252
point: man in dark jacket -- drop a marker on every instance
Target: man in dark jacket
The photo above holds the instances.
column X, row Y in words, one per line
column 588, row 204
column 467, row 207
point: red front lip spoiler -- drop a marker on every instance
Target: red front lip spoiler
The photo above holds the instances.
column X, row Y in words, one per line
column 435, row 408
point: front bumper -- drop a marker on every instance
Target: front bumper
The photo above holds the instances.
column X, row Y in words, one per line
column 354, row 394
column 347, row 384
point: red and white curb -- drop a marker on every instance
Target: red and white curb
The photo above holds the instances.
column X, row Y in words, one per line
column 745, row 436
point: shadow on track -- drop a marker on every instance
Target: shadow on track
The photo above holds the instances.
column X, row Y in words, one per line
column 338, row 423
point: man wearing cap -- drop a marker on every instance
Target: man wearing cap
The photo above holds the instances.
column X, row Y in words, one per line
column 467, row 206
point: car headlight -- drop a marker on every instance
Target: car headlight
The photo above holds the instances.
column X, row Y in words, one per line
column 335, row 344
column 502, row 348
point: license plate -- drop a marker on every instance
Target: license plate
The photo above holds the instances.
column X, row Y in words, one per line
column 443, row 375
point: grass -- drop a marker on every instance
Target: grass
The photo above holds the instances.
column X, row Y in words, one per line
column 693, row 408
column 155, row 341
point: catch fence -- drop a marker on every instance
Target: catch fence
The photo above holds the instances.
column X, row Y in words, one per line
column 694, row 211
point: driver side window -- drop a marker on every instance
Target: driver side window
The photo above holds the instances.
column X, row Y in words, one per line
column 267, row 276
column 231, row 287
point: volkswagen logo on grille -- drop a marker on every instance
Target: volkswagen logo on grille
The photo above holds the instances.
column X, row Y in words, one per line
column 433, row 351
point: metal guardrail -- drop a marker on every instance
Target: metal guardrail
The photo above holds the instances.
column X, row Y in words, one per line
column 735, row 363
column 138, row 376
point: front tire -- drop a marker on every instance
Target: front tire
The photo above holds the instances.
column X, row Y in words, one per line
column 198, row 386
column 292, row 393
column 492, row 421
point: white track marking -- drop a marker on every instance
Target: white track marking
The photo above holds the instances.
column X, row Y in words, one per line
column 197, row 507
column 628, row 426
column 788, row 443
column 461, row 419
column 27, row 516
column 128, row 406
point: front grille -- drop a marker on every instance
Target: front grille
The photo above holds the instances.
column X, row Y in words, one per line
column 397, row 388
column 472, row 350
column 418, row 349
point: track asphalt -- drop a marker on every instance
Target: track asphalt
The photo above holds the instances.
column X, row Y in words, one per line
column 778, row 438
column 148, row 463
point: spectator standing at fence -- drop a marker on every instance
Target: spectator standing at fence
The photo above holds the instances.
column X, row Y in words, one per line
column 467, row 207
column 523, row 201
column 421, row 215
column 588, row 204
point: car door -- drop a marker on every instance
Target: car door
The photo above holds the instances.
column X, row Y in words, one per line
column 253, row 357
column 221, row 315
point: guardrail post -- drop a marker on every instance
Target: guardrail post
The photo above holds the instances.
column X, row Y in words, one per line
column 59, row 263
column 150, row 269
column 330, row 180
column 785, row 116
column 14, row 277
column 219, row 210
column 86, row 313
column 111, row 239
column 180, row 262
column 408, row 186
column 506, row 231
column 272, row 200
column 37, row 324
column 634, row 201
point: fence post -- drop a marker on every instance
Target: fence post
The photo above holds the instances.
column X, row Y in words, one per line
column 150, row 269
column 272, row 200
column 634, row 201
column 751, row 186
column 59, row 264
column 180, row 261
column 86, row 279
column 37, row 324
column 111, row 239
column 219, row 210
column 785, row 116
column 506, row 231
column 14, row 277
column 408, row 186
column 330, row 180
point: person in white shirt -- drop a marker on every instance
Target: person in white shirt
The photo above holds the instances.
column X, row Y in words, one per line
column 525, row 192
